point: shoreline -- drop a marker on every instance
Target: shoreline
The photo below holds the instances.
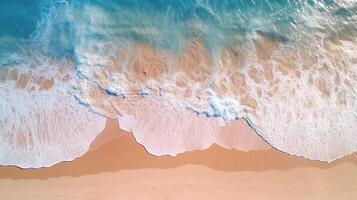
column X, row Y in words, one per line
column 115, row 150
column 117, row 167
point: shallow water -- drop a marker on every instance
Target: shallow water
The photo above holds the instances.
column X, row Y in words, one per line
column 287, row 67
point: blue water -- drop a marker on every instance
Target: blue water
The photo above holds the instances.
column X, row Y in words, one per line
column 58, row 26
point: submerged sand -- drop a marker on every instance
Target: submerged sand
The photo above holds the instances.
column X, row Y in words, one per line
column 116, row 167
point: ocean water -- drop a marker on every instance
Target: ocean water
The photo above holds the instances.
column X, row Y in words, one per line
column 289, row 68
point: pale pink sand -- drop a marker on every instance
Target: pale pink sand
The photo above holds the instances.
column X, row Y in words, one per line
column 192, row 182
column 122, row 169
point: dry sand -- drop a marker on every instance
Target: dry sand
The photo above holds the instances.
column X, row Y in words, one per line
column 117, row 167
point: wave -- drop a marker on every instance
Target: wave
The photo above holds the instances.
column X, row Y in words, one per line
column 178, row 75
column 41, row 123
column 293, row 99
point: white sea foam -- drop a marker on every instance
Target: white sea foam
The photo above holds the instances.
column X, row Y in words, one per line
column 299, row 95
column 163, row 130
column 40, row 128
column 313, row 116
column 301, row 101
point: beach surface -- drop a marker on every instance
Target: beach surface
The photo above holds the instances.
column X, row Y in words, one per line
column 116, row 167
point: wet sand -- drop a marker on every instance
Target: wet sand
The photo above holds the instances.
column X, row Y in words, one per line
column 116, row 167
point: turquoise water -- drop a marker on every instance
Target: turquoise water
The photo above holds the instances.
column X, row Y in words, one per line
column 59, row 27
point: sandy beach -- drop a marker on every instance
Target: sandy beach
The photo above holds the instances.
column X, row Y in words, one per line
column 116, row 167
column 178, row 100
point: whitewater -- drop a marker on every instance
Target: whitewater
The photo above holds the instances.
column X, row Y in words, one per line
column 178, row 75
